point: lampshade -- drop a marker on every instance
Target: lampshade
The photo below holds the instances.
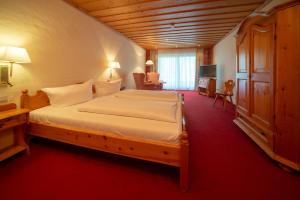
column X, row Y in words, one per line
column 149, row 62
column 113, row 65
column 14, row 55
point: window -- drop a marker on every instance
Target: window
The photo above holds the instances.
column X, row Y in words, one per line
column 177, row 68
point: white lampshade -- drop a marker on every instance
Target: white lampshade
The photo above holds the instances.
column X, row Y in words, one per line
column 14, row 55
column 114, row 65
column 149, row 62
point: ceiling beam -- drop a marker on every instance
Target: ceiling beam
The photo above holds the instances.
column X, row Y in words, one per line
column 169, row 6
column 200, row 18
column 183, row 24
column 216, row 11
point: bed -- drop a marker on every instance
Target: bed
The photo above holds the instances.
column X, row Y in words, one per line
column 161, row 141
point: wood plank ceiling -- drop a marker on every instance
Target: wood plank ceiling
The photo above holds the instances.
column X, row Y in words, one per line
column 170, row 23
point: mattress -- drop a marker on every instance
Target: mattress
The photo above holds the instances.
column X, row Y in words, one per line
column 140, row 128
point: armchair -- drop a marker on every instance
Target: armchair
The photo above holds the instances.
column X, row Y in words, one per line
column 140, row 83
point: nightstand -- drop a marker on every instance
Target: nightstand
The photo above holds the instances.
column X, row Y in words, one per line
column 207, row 86
column 13, row 121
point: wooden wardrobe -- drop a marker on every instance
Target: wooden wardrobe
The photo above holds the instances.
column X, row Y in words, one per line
column 268, row 82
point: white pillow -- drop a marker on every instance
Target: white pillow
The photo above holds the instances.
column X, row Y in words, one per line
column 104, row 88
column 70, row 95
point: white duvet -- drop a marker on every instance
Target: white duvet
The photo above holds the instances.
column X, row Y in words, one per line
column 160, row 131
column 69, row 116
column 149, row 95
column 132, row 107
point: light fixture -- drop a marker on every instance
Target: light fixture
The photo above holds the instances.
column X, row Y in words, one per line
column 14, row 55
column 149, row 62
column 113, row 65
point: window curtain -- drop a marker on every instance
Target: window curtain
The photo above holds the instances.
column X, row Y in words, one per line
column 153, row 57
column 177, row 68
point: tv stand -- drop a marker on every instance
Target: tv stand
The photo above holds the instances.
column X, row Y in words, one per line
column 207, row 86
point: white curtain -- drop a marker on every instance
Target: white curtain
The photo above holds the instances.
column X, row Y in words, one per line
column 177, row 68
column 153, row 57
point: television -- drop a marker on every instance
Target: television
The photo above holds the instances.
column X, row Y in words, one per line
column 208, row 71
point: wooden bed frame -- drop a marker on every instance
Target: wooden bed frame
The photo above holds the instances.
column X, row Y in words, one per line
column 170, row 154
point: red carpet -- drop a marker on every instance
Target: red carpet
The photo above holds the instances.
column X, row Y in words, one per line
column 225, row 164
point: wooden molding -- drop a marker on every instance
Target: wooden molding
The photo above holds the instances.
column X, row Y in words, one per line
column 252, row 133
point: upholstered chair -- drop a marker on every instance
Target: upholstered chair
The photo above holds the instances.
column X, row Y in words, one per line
column 140, row 83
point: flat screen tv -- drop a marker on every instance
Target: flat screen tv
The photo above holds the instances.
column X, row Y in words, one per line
column 208, row 71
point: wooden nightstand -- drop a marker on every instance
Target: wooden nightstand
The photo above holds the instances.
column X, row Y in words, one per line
column 13, row 121
column 207, row 86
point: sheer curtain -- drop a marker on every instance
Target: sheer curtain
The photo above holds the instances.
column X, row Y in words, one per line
column 177, row 68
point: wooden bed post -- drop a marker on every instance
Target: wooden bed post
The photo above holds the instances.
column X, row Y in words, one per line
column 23, row 97
column 184, row 162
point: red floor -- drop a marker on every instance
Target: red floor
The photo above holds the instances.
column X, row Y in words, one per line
column 225, row 164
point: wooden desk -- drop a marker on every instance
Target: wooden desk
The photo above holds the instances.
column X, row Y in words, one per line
column 13, row 121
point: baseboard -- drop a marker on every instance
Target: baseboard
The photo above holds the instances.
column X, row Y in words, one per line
column 253, row 134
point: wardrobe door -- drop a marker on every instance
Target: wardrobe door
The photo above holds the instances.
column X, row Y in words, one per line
column 242, row 75
column 261, row 70
column 287, row 137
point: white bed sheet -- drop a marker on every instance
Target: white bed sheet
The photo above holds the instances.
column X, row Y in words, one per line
column 160, row 131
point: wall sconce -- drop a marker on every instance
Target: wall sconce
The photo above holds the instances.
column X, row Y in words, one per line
column 113, row 65
column 14, row 55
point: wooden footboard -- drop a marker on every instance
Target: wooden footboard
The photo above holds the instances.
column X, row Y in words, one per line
column 170, row 154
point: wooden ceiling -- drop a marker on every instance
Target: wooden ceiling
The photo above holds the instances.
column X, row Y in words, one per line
column 170, row 23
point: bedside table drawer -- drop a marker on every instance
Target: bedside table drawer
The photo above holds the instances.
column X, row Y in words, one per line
column 12, row 121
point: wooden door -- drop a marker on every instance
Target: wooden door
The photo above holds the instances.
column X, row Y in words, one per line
column 287, row 135
column 261, row 73
column 242, row 75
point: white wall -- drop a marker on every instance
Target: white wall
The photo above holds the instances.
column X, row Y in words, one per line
column 65, row 46
column 224, row 57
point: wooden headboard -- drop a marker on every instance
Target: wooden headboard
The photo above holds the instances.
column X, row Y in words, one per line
column 39, row 100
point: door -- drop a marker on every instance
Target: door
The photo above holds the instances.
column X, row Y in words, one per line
column 261, row 73
column 242, row 75
column 287, row 137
